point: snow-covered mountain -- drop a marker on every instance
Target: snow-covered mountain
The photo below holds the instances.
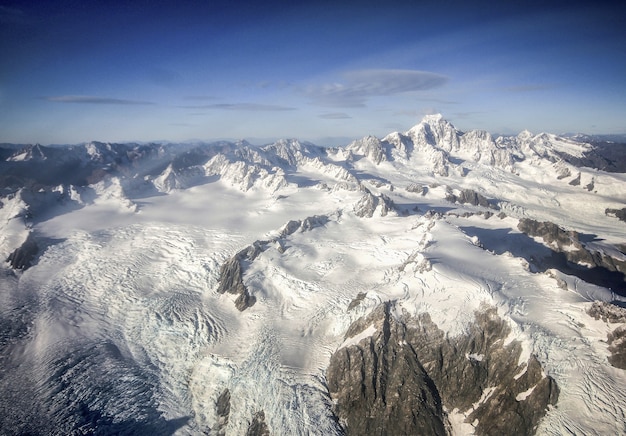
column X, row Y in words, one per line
column 429, row 282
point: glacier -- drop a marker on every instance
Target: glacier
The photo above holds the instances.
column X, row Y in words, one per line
column 113, row 322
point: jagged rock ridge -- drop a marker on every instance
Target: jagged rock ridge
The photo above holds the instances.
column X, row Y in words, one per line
column 231, row 272
column 402, row 376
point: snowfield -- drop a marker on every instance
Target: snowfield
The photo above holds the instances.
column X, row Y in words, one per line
column 118, row 326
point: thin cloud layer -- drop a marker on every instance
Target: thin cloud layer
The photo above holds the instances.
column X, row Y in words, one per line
column 243, row 107
column 89, row 99
column 360, row 85
column 529, row 88
column 335, row 116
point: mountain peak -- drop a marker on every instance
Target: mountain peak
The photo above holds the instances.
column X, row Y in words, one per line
column 432, row 118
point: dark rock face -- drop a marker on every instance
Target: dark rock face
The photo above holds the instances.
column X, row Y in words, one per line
column 607, row 312
column 418, row 189
column 258, row 427
column 231, row 272
column 564, row 173
column 223, row 411
column 607, row 154
column 553, row 234
column 469, row 196
column 617, row 213
column 617, row 338
column 231, row 280
column 22, row 257
column 550, row 232
column 398, row 380
column 356, row 301
column 230, row 277
column 380, row 385
column 617, row 346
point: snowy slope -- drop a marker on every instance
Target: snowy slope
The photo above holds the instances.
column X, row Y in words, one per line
column 118, row 325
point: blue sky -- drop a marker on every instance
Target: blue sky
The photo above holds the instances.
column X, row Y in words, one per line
column 73, row 71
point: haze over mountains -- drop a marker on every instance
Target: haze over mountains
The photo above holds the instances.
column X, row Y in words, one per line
column 428, row 282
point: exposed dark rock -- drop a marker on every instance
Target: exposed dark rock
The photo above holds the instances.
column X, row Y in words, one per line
column 550, row 232
column 575, row 181
column 23, row 257
column 607, row 312
column 617, row 338
column 312, row 222
column 258, row 427
column 418, row 189
column 607, row 154
column 245, row 300
column 231, row 272
column 617, row 347
column 357, row 300
column 223, row 404
column 397, row 380
column 381, row 387
column 309, row 223
column 230, row 277
column 562, row 241
column 290, row 228
column 469, row 196
column 617, row 213
column 223, row 411
column 564, row 173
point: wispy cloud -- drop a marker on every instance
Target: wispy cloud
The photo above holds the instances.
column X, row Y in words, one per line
column 467, row 115
column 360, row 85
column 335, row 116
column 242, row 107
column 199, row 97
column 529, row 88
column 89, row 99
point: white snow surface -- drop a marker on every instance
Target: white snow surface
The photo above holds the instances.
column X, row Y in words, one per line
column 139, row 275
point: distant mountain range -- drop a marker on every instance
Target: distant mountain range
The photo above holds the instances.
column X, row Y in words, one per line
column 429, row 282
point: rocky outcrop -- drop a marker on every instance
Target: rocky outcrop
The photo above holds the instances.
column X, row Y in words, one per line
column 617, row 338
column 356, row 301
column 230, row 278
column 23, row 256
column 575, row 181
column 222, row 407
column 568, row 243
column 617, row 346
column 469, row 196
column 380, row 386
column 367, row 205
column 258, row 427
column 620, row 214
column 396, row 374
column 549, row 232
column 370, row 147
column 418, row 189
column 607, row 312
